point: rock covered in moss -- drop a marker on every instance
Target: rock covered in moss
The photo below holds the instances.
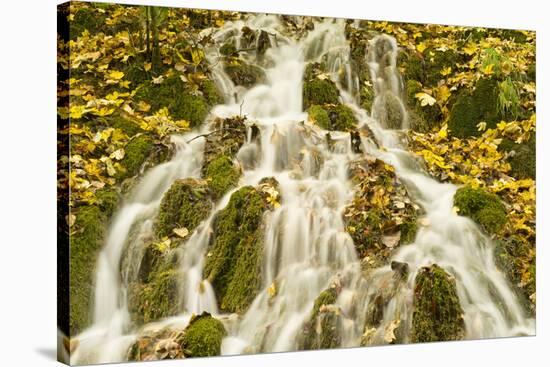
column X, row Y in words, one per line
column 245, row 74
column 136, row 153
column 392, row 113
column 516, row 258
column 85, row 244
column 228, row 136
column 203, row 337
column 173, row 94
column 185, row 205
column 154, row 295
column 471, row 108
column 321, row 330
column 318, row 92
column 333, row 117
column 233, row 263
column 522, row 157
column 437, row 315
column 222, row 175
column 482, row 207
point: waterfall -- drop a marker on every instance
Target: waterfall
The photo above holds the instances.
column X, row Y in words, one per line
column 306, row 246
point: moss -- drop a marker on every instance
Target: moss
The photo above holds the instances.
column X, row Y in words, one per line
column 128, row 127
column 85, row 244
column 341, row 117
column 172, row 93
column 233, row 264
column 228, row 49
column 437, row 314
column 222, row 174
column 245, row 74
column 393, row 114
column 157, row 298
column 513, row 257
column 136, row 152
column 320, row 332
column 482, row 207
column 413, row 66
column 203, row 337
column 210, row 92
column 86, row 18
column 408, row 232
column 319, row 92
column 523, row 158
column 319, row 116
column 422, row 118
column 472, row 108
column 186, row 204
column 107, row 200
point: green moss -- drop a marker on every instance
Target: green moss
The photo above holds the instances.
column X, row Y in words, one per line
column 341, row 117
column 136, row 152
column 210, row 92
column 408, row 232
column 228, row 49
column 203, row 337
column 413, row 66
column 472, row 108
column 319, row 116
column 186, row 204
column 422, row 118
column 128, row 127
column 393, row 114
column 319, row 92
column 233, row 264
column 320, row 332
column 86, row 18
column 523, row 158
column 482, row 207
column 222, row 174
column 157, row 298
column 107, row 200
column 245, row 74
column 437, row 314
column 85, row 244
column 172, row 93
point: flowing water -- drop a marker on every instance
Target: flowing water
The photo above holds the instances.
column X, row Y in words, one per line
column 306, row 247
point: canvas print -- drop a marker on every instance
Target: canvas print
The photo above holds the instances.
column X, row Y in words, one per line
column 235, row 183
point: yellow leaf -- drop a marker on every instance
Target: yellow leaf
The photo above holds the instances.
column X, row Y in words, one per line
column 143, row 106
column 425, row 99
column 481, row 126
column 443, row 93
column 147, row 66
column 181, row 232
column 77, row 111
column 116, row 75
column 420, row 47
column 446, row 71
column 272, row 290
column 488, row 70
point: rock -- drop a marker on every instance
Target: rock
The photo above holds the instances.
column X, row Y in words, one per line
column 203, row 337
column 482, row 207
column 245, row 74
column 222, row 175
column 522, row 157
column 186, row 204
column 233, row 263
column 437, row 315
column 136, row 153
column 401, row 269
column 321, row 331
column 157, row 345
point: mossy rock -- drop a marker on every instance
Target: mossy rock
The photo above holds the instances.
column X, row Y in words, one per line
column 107, row 200
column 319, row 92
column 422, row 118
column 172, row 93
column 203, row 337
column 321, row 330
column 408, row 231
column 85, row 244
column 437, row 315
column 522, row 157
column 412, row 66
column 514, row 256
column 157, row 298
column 228, row 48
column 245, row 74
column 471, row 108
column 234, row 260
column 186, row 204
column 333, row 117
column 392, row 114
column 229, row 137
column 136, row 153
column 222, row 175
column 482, row 207
column 211, row 93
column 129, row 127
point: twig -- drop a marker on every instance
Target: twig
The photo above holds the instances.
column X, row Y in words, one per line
column 212, row 132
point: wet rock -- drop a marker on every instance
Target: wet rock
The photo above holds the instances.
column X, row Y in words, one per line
column 233, row 262
column 245, row 74
column 438, row 315
column 203, row 337
column 227, row 137
column 391, row 112
column 482, row 207
column 401, row 269
column 321, row 331
column 522, row 157
column 185, row 205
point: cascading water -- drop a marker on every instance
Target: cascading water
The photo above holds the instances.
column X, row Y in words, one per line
column 306, row 247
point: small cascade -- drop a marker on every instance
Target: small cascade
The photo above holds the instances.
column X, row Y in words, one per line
column 306, row 247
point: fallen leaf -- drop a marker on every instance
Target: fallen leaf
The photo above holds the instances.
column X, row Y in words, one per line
column 182, row 232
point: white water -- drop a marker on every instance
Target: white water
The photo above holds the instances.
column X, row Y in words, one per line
column 306, row 248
